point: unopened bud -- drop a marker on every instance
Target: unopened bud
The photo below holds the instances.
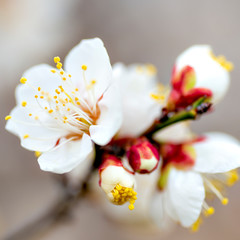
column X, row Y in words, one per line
column 143, row 157
column 117, row 182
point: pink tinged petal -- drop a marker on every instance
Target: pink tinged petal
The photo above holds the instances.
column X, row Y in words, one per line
column 93, row 55
column 110, row 119
column 34, row 135
column 37, row 76
column 217, row 153
column 135, row 87
column 66, row 156
column 209, row 73
column 184, row 196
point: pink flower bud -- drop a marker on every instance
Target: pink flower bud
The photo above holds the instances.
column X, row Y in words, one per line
column 143, row 157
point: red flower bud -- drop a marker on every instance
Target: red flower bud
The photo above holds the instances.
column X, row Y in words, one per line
column 143, row 157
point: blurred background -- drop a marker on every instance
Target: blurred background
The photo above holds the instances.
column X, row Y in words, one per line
column 144, row 31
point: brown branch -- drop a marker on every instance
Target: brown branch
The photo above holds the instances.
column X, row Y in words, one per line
column 55, row 214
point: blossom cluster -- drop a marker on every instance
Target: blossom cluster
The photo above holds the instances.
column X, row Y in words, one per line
column 123, row 122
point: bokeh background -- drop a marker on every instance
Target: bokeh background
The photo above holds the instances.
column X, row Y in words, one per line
column 145, row 31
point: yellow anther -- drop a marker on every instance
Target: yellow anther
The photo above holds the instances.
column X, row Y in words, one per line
column 63, row 78
column 29, row 114
column 36, row 117
column 57, row 91
column 76, row 99
column 50, row 111
column 151, row 69
column 196, row 225
column 93, row 82
column 23, row 80
column 55, row 97
column 122, row 195
column 39, row 89
column 36, row 96
column 37, row 154
column 78, row 103
column 131, row 207
column 53, row 70
column 157, row 97
column 45, row 108
column 69, row 75
column 59, row 65
column 65, row 118
column 61, row 72
column 76, row 89
column 57, row 59
column 8, row 117
column 26, row 136
column 24, row 103
column 224, row 201
column 222, row 61
column 41, row 97
column 210, row 211
column 84, row 67
column 132, row 201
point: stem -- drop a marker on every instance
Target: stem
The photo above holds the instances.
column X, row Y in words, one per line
column 178, row 117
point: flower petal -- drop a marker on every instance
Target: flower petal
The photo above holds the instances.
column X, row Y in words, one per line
column 66, row 156
column 136, row 83
column 217, row 153
column 36, row 135
column 37, row 76
column 93, row 55
column 209, row 73
column 110, row 119
column 184, row 196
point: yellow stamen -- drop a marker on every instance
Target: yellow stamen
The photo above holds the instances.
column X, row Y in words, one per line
column 196, row 225
column 24, row 103
column 23, row 80
column 26, row 136
column 151, row 69
column 222, row 61
column 37, row 154
column 84, row 67
column 210, row 211
column 224, row 201
column 59, row 65
column 122, row 195
column 8, row 117
column 57, row 59
column 53, row 70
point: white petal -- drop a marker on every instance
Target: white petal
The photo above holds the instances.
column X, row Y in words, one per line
column 158, row 211
column 93, row 54
column 184, row 196
column 218, row 153
column 139, row 109
column 209, row 73
column 110, row 119
column 37, row 76
column 113, row 175
column 177, row 133
column 42, row 135
column 66, row 156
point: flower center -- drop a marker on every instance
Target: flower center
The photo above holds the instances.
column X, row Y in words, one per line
column 122, row 195
column 72, row 110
